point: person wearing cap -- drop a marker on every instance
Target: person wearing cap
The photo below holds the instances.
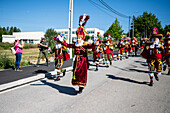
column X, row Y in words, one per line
column 167, row 52
column 152, row 52
column 43, row 47
column 19, row 50
column 60, row 51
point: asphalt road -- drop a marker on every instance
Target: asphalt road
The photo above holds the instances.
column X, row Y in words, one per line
column 121, row 88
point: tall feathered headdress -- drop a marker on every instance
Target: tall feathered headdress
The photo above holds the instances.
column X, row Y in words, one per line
column 155, row 34
column 82, row 21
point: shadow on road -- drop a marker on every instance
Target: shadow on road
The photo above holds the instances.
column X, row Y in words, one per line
column 40, row 71
column 120, row 68
column 61, row 89
column 126, row 79
column 137, row 70
column 142, row 63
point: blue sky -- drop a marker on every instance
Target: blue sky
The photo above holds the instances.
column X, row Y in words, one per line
column 39, row 15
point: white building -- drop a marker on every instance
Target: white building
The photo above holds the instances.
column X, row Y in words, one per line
column 27, row 37
column 90, row 31
column 35, row 37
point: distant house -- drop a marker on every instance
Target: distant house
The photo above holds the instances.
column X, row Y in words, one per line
column 90, row 31
column 27, row 37
column 35, row 37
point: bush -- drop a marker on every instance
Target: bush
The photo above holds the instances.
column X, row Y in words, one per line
column 29, row 45
column 6, row 45
column 25, row 63
column 6, row 62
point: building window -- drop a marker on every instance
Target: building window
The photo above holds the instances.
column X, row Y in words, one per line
column 73, row 32
column 90, row 32
column 66, row 32
column 25, row 41
column 31, row 41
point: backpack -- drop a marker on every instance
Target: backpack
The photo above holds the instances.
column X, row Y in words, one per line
column 13, row 51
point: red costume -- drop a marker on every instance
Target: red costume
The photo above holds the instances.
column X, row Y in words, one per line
column 152, row 52
column 142, row 42
column 121, row 46
column 167, row 51
column 97, row 50
column 127, row 47
column 80, row 55
column 108, row 52
column 134, row 44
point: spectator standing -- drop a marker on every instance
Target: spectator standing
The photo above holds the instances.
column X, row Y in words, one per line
column 19, row 50
column 43, row 47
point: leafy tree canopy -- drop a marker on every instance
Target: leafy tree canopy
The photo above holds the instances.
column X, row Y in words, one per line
column 49, row 35
column 144, row 24
column 115, row 30
column 8, row 31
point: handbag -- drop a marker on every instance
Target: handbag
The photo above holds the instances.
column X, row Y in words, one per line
column 13, row 51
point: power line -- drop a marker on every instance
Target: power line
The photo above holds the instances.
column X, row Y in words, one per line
column 112, row 10
column 100, row 7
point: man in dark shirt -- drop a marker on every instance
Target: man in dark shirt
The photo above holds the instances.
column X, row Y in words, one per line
column 43, row 47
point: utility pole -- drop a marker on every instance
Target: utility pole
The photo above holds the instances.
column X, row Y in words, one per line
column 146, row 32
column 129, row 26
column 70, row 25
column 133, row 28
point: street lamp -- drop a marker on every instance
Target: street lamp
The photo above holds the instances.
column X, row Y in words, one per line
column 133, row 23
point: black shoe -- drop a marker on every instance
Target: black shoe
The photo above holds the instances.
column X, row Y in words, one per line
column 107, row 66
column 80, row 90
column 96, row 69
column 168, row 73
column 151, row 84
column 164, row 67
column 110, row 62
column 156, row 76
column 57, row 79
column 64, row 72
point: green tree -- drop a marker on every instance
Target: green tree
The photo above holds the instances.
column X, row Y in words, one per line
column 49, row 35
column 115, row 30
column 8, row 31
column 166, row 29
column 145, row 23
